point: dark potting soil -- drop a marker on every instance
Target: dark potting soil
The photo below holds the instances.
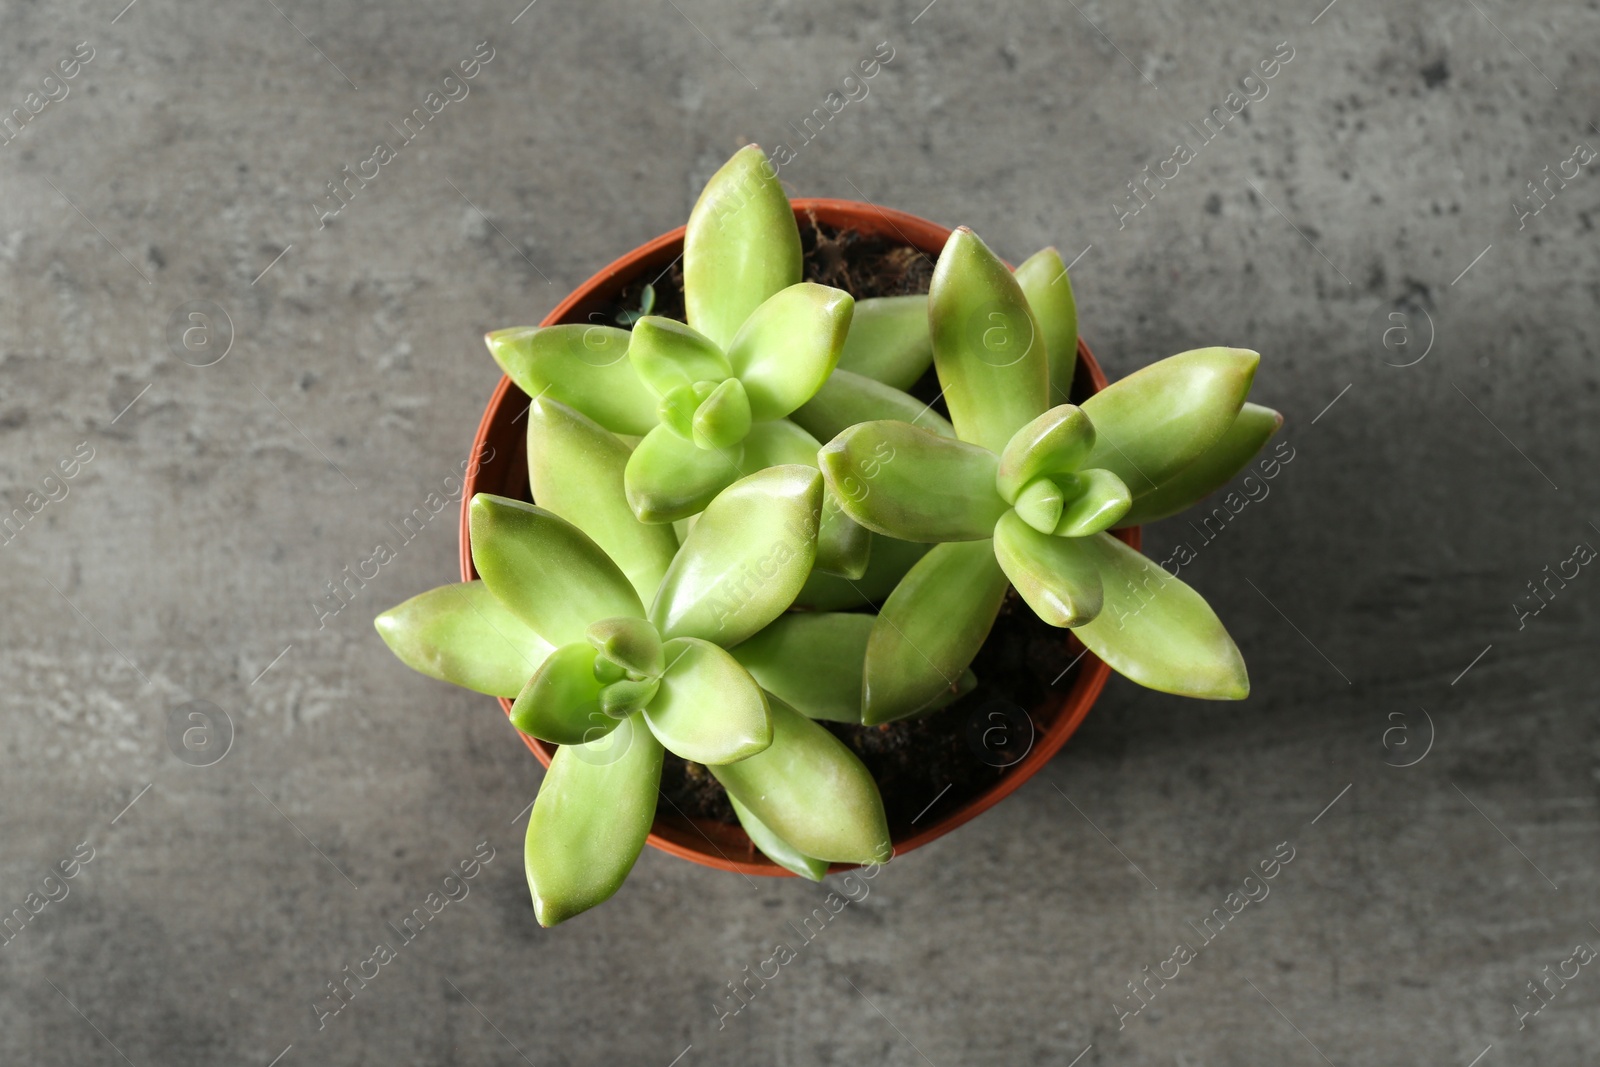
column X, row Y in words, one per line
column 928, row 766
column 862, row 266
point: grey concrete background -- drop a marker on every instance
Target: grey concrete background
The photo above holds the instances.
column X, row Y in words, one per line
column 184, row 561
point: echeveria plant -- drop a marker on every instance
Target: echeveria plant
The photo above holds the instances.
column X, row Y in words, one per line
column 709, row 397
column 1023, row 493
column 615, row 684
column 698, row 574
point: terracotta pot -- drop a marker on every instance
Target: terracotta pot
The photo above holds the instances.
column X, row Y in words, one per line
column 716, row 844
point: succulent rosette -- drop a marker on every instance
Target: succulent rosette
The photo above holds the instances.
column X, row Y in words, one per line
column 709, row 398
column 1023, row 493
column 617, row 684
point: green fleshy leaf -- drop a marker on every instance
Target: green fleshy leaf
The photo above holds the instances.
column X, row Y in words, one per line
column 1040, row 503
column 812, row 661
column 1056, row 442
column 670, row 478
column 987, row 345
column 887, row 563
column 1158, row 420
column 561, row 703
column 462, row 635
column 1157, row 631
column 575, row 470
column 844, row 546
column 1101, row 499
column 745, row 560
column 776, row 848
column 776, row 442
column 847, row 399
column 811, row 791
column 1213, row 470
column 628, row 695
column 607, row 671
column 723, row 418
column 897, row 480
column 546, row 570
column 630, row 643
column 1044, row 282
column 667, row 354
column 789, row 345
column 677, row 408
column 591, row 819
column 584, row 367
column 708, row 710
column 741, row 246
column 1054, row 575
column 930, row 628
column 888, row 341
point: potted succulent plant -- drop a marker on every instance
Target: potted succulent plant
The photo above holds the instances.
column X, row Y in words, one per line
column 743, row 547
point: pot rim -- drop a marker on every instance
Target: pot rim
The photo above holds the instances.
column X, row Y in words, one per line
column 1069, row 708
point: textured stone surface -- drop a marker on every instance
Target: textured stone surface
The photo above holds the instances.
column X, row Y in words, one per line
column 187, row 554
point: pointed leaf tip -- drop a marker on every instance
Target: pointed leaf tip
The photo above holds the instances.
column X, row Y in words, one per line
column 1249, row 433
column 789, row 345
column 987, row 344
column 462, row 634
column 590, row 820
column 1043, row 277
column 740, row 247
column 1156, row 630
column 1160, row 419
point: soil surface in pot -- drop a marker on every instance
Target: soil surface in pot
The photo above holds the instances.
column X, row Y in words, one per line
column 928, row 766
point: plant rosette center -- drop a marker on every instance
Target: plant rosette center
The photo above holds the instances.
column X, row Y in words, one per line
column 711, row 414
column 1040, row 476
column 585, row 690
column 628, row 664
column 707, row 410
